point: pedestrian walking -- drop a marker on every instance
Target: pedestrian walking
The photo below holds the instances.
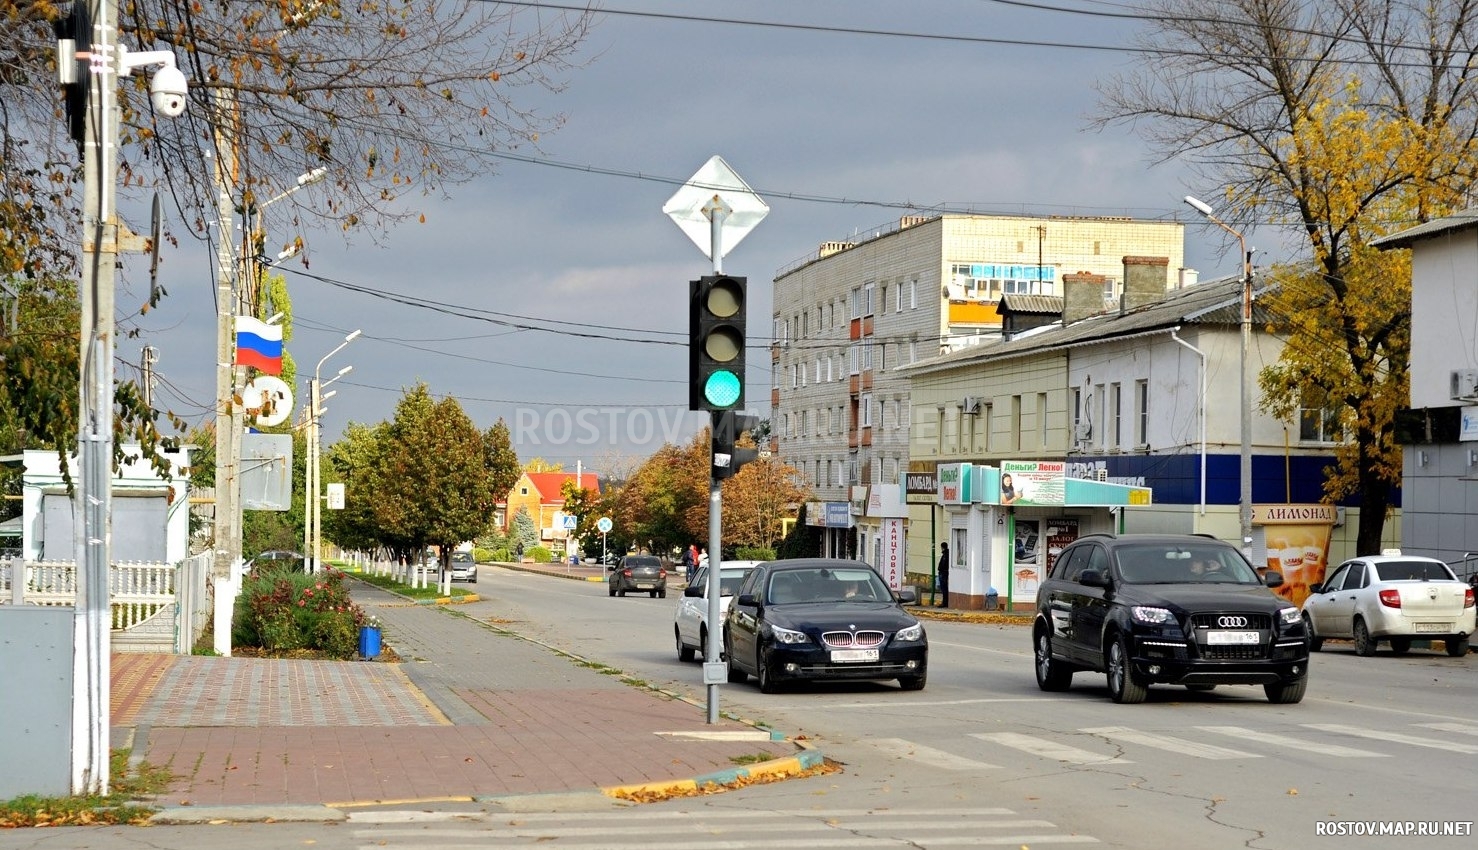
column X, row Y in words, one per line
column 690, row 562
column 943, row 575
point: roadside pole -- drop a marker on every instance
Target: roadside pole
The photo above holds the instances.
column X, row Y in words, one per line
column 713, row 668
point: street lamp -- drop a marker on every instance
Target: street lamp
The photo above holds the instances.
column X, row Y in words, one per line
column 312, row 509
column 1245, row 507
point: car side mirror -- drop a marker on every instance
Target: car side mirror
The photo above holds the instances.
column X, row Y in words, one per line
column 1093, row 578
column 610, row 568
column 747, row 599
column 1275, row 579
column 696, row 591
column 907, row 596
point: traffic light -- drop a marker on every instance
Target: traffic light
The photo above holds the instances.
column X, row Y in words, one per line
column 727, row 457
column 716, row 343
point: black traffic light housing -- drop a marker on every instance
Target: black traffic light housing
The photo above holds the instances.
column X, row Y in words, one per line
column 77, row 27
column 716, row 343
column 728, row 425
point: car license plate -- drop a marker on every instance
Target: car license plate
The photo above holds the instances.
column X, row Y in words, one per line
column 846, row 656
column 1434, row 627
column 644, row 585
column 1224, row 638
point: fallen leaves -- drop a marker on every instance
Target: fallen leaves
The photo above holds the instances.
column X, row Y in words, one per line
column 711, row 788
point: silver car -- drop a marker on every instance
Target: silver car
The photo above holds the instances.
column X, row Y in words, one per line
column 463, row 567
column 690, row 624
column 1391, row 597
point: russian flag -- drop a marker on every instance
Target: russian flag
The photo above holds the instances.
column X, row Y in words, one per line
column 259, row 344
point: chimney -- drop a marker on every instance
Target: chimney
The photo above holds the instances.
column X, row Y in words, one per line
column 1082, row 296
column 1146, row 280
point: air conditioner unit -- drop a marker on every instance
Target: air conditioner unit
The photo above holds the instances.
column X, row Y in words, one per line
column 1464, row 383
column 1083, row 431
column 970, row 406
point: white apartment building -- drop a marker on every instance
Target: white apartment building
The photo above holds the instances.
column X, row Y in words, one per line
column 848, row 316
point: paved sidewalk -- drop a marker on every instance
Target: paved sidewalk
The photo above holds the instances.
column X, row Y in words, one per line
column 470, row 712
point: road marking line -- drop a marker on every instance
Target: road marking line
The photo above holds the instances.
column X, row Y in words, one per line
column 1460, row 728
column 928, row 755
column 1394, row 737
column 1047, row 749
column 1168, row 742
column 1291, row 743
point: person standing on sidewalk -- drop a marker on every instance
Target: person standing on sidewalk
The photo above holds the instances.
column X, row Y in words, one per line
column 943, row 574
column 690, row 562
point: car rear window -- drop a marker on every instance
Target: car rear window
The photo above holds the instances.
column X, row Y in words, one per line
column 643, row 561
column 1413, row 571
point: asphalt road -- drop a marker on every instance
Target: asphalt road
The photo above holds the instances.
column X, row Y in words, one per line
column 979, row 758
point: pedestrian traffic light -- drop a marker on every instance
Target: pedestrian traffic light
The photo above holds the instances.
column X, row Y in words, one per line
column 728, row 425
column 716, row 343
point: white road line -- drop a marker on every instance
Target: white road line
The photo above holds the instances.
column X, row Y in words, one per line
column 1291, row 743
column 1022, row 840
column 1047, row 749
column 928, row 755
column 1460, row 728
column 894, row 703
column 1394, row 737
column 1168, row 742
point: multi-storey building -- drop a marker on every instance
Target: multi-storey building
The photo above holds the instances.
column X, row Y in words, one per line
column 848, row 316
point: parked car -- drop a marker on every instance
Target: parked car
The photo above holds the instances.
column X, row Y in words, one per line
column 638, row 573
column 1394, row 598
column 1175, row 609
column 463, row 567
column 690, row 623
column 293, row 561
column 822, row 618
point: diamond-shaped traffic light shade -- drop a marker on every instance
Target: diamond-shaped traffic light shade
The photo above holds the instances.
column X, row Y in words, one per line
column 728, row 457
column 716, row 343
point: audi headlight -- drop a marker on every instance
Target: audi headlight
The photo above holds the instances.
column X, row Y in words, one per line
column 914, row 632
column 790, row 636
column 1151, row 615
column 1289, row 616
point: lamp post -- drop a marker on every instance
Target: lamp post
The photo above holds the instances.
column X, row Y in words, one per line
column 1245, row 507
column 312, row 510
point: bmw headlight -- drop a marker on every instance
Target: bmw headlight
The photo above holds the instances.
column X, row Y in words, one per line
column 1152, row 615
column 789, row 636
column 914, row 632
column 1289, row 616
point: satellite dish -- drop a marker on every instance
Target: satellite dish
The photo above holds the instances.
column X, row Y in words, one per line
column 269, row 399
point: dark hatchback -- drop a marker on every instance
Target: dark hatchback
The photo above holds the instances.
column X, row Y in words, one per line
column 638, row 574
column 1171, row 609
column 821, row 618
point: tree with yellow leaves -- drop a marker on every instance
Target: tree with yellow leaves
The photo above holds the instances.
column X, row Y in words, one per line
column 1338, row 121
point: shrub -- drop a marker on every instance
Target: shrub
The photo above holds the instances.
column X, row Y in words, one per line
column 754, row 553
column 540, row 554
column 281, row 610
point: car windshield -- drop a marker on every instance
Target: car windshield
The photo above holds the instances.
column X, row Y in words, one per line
column 825, row 584
column 465, row 557
column 730, row 580
column 1413, row 571
column 1160, row 564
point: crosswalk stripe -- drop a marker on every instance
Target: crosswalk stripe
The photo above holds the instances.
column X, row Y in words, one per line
column 1290, row 743
column 1047, row 749
column 1168, row 742
column 928, row 755
column 1394, row 737
column 1460, row 728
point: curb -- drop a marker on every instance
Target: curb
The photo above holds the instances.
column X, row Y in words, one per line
column 773, row 769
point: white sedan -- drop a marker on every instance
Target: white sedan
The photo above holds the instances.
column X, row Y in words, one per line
column 690, row 624
column 1391, row 597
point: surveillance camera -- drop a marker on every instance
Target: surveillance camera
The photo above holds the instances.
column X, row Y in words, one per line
column 167, row 89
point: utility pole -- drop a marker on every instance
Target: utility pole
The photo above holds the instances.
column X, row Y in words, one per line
column 228, row 421
column 91, row 664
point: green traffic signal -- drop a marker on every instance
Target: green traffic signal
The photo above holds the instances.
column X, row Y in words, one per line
column 722, row 389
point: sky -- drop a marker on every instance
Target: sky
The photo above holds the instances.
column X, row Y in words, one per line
column 988, row 113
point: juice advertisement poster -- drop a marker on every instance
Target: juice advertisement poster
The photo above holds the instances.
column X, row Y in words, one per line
column 1297, row 538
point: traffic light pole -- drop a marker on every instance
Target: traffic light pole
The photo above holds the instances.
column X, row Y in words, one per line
column 716, row 210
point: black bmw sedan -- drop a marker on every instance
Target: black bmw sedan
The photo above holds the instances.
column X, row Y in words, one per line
column 820, row 618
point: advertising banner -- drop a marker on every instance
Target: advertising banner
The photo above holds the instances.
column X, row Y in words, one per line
column 892, row 560
column 1297, row 539
column 1032, row 482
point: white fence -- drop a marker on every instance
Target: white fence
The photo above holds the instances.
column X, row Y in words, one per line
column 154, row 606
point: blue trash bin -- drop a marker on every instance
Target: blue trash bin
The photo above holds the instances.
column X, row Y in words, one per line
column 369, row 641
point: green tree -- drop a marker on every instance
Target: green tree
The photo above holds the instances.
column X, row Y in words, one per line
column 1339, row 121
column 502, row 461
column 524, row 532
column 757, row 499
column 665, row 502
column 430, row 485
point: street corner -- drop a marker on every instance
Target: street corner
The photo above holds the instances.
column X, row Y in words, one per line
column 803, row 765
